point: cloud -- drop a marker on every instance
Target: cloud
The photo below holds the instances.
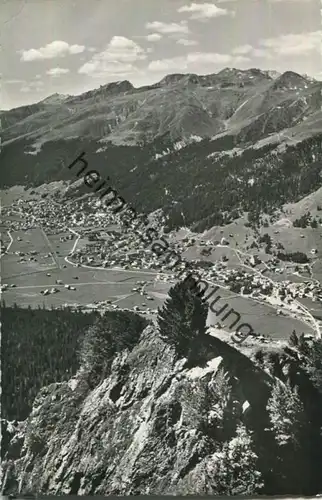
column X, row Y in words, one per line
column 293, row 44
column 116, row 59
column 13, row 82
column 57, row 71
column 262, row 53
column 100, row 69
column 154, row 37
column 243, row 49
column 32, row 86
column 168, row 28
column 37, row 83
column 195, row 62
column 240, row 60
column 203, row 11
column 121, row 49
column 50, row 51
column 284, row 45
column 186, row 43
column 208, row 57
column 168, row 64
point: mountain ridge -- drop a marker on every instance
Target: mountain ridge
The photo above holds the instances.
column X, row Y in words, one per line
column 180, row 104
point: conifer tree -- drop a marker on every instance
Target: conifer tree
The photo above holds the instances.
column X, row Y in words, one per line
column 290, row 429
column 110, row 334
column 182, row 321
column 303, row 346
column 220, row 414
column 194, row 399
column 314, row 364
column 96, row 350
column 233, row 470
column 259, row 356
column 293, row 340
column 286, row 414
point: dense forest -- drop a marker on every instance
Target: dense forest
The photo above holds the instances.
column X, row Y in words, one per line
column 40, row 346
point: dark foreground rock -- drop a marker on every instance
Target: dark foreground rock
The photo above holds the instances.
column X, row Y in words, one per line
column 153, row 426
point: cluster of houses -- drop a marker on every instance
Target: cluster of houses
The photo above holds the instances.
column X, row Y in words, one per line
column 120, row 249
column 128, row 252
column 54, row 217
column 108, row 246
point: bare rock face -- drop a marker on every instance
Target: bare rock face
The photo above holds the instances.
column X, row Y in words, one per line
column 146, row 429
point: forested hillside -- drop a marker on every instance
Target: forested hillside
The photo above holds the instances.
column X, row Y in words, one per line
column 191, row 185
column 50, row 340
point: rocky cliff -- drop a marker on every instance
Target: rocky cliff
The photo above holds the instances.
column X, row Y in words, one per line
column 153, row 426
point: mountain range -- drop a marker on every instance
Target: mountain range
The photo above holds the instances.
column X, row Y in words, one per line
column 167, row 145
column 229, row 102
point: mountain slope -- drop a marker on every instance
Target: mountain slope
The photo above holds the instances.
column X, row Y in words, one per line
column 207, row 181
column 208, row 147
column 181, row 105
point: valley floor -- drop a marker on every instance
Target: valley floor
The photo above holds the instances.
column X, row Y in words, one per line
column 39, row 269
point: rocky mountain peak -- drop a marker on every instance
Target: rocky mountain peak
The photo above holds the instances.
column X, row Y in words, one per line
column 290, row 80
column 173, row 78
column 120, row 86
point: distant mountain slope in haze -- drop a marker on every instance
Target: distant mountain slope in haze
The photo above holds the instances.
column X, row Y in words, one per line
column 250, row 104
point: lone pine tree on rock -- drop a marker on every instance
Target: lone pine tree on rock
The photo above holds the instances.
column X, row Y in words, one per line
column 182, row 321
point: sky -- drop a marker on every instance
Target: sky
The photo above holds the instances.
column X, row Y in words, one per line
column 69, row 47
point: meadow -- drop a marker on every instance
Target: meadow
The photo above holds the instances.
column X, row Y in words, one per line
column 30, row 278
column 32, row 240
column 98, row 284
column 262, row 317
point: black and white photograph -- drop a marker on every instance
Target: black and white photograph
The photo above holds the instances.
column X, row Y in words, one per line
column 161, row 248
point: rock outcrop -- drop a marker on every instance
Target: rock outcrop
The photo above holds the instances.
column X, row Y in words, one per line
column 150, row 427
